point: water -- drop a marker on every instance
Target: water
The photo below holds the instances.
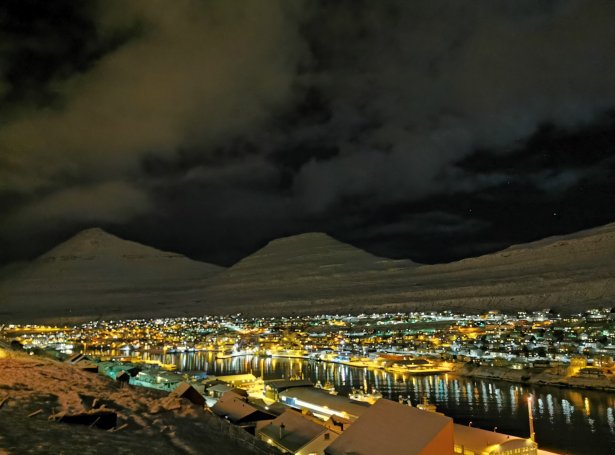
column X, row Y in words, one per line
column 566, row 420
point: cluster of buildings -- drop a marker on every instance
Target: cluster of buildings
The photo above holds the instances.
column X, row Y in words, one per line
column 295, row 417
column 424, row 342
column 299, row 417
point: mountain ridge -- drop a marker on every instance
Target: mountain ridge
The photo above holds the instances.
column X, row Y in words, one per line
column 567, row 272
column 95, row 274
column 99, row 241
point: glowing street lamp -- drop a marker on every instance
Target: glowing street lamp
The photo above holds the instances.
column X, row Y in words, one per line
column 531, row 417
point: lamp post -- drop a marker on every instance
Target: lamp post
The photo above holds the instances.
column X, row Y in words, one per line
column 531, row 417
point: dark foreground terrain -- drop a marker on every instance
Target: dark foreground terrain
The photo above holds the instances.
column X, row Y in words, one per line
column 148, row 421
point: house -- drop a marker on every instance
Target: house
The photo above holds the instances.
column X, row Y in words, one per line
column 185, row 390
column 211, row 381
column 337, row 423
column 219, row 390
column 82, row 362
column 274, row 408
column 237, row 410
column 156, row 379
column 237, row 380
column 273, row 387
column 591, row 372
column 73, row 359
column 292, row 433
column 122, row 377
column 86, row 365
column 391, row 428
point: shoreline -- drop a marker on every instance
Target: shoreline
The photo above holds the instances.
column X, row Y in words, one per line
column 531, row 376
column 535, row 376
column 528, row 376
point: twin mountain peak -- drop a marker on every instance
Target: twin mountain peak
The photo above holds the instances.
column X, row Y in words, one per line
column 96, row 274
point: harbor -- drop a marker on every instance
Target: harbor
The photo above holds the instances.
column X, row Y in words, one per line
column 564, row 418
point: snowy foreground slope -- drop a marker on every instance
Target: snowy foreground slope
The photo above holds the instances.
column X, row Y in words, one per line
column 96, row 275
column 155, row 423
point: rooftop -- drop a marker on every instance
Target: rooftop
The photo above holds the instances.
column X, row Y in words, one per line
column 391, row 428
column 292, row 431
column 234, row 407
column 479, row 440
column 322, row 399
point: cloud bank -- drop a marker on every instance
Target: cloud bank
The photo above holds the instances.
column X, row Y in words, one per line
column 207, row 116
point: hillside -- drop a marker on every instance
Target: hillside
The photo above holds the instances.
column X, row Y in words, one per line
column 293, row 273
column 35, row 388
column 96, row 274
column 315, row 273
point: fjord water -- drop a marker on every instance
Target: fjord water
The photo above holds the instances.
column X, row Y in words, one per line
column 566, row 420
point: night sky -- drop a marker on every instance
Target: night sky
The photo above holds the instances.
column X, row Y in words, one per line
column 430, row 130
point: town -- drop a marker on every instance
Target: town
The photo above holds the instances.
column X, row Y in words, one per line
column 544, row 347
column 579, row 345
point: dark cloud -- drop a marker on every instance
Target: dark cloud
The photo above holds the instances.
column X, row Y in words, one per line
column 430, row 130
column 198, row 73
column 418, row 86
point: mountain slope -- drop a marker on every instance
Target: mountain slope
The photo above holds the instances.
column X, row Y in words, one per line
column 315, row 273
column 291, row 273
column 97, row 274
column 313, row 254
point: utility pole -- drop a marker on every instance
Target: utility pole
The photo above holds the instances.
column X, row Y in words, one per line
column 531, row 416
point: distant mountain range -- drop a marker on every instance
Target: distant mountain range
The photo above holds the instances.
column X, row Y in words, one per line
column 97, row 275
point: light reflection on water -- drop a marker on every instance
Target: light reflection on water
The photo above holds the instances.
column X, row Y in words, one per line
column 571, row 421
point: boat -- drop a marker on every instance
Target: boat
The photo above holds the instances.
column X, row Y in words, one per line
column 229, row 353
column 359, row 395
column 180, row 349
column 426, row 406
column 327, row 387
column 417, row 366
column 290, row 353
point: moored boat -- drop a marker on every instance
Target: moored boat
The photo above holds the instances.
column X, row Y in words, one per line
column 360, row 395
column 417, row 367
column 327, row 387
column 425, row 405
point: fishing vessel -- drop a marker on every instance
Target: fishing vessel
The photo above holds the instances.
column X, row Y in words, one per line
column 327, row 387
column 425, row 405
column 367, row 397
